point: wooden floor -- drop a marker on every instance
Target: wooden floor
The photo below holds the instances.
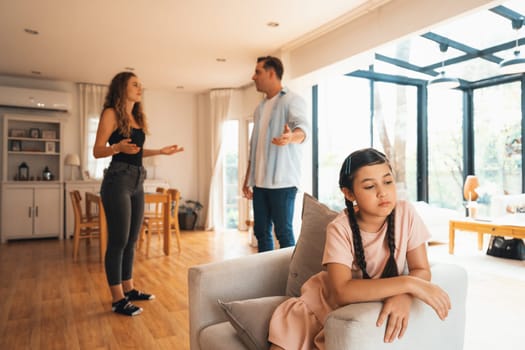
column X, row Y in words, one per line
column 49, row 302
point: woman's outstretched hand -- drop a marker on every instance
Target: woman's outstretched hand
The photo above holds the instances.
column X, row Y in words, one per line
column 168, row 150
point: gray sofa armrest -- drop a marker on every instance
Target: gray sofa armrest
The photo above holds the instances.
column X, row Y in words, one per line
column 253, row 276
column 354, row 326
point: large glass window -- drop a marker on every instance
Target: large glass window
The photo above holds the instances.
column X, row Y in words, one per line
column 95, row 166
column 343, row 127
column 445, row 148
column 395, row 133
column 230, row 148
column 497, row 140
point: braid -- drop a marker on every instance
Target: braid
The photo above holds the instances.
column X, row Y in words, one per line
column 358, row 242
column 391, row 266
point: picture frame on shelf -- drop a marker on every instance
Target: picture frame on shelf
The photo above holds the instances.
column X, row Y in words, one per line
column 18, row 133
column 49, row 134
column 34, row 133
column 16, row 145
column 50, row 147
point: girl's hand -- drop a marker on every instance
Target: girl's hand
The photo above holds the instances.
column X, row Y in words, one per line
column 396, row 310
column 168, row 150
column 432, row 295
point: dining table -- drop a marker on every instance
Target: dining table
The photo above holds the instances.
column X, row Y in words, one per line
column 95, row 211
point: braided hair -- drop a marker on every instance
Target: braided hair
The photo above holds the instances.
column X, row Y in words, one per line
column 351, row 165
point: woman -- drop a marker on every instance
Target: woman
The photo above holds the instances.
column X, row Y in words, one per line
column 121, row 134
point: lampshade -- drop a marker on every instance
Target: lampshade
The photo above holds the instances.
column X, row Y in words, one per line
column 72, row 159
column 513, row 65
column 442, row 81
column 469, row 188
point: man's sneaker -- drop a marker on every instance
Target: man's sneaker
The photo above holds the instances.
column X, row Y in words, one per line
column 124, row 307
column 136, row 295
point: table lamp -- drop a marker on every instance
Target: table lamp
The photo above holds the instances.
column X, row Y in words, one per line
column 73, row 160
column 470, row 194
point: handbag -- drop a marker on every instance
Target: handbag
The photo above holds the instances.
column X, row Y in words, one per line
column 512, row 248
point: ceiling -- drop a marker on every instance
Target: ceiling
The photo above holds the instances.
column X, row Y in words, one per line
column 170, row 44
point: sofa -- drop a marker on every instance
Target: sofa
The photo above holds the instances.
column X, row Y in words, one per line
column 231, row 301
column 437, row 219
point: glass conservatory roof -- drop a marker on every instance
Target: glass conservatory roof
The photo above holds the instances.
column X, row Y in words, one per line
column 469, row 48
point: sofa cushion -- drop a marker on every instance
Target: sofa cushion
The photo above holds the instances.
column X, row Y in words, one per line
column 308, row 254
column 220, row 336
column 251, row 319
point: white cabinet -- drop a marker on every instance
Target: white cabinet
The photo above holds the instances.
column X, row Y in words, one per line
column 31, row 211
column 31, row 206
column 150, row 185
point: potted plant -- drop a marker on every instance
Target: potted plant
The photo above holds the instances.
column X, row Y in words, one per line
column 188, row 214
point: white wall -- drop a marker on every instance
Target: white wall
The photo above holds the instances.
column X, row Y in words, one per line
column 172, row 120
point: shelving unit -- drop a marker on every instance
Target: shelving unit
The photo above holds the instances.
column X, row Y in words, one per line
column 32, row 206
column 33, row 141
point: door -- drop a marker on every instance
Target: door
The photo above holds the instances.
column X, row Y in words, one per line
column 47, row 211
column 17, row 220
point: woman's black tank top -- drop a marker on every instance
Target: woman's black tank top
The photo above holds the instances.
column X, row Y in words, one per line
column 137, row 137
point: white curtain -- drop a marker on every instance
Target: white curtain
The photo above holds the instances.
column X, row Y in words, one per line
column 220, row 101
column 91, row 103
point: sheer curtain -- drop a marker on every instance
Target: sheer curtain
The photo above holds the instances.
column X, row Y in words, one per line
column 91, row 103
column 220, row 104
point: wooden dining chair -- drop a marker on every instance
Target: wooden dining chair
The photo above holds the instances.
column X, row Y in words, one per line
column 85, row 228
column 174, row 213
column 153, row 222
column 150, row 211
column 95, row 212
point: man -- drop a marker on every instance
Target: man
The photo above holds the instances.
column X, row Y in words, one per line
column 274, row 169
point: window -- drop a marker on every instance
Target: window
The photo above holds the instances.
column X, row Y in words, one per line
column 346, row 110
column 230, row 148
column 95, row 166
column 497, row 140
column 445, row 148
column 343, row 127
column 395, row 133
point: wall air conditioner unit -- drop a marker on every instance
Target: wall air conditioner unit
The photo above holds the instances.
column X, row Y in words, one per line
column 35, row 99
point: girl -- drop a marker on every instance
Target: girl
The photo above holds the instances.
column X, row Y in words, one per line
column 123, row 126
column 367, row 246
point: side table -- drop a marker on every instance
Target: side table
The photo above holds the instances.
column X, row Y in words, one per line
column 497, row 228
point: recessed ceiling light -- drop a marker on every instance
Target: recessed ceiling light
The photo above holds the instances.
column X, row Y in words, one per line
column 31, row 31
column 36, row 72
column 272, row 24
column 131, row 69
column 220, row 59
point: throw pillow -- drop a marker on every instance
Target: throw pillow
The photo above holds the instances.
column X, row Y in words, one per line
column 251, row 319
column 308, row 254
